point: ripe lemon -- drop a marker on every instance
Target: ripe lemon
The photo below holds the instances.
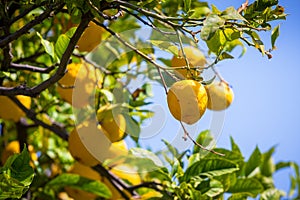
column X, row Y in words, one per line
column 220, row 96
column 187, row 101
column 90, row 38
column 86, row 172
column 14, row 147
column 195, row 58
column 10, row 111
column 89, row 145
column 112, row 122
column 78, row 84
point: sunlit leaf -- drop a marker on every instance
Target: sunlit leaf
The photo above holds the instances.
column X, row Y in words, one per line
column 212, row 23
column 274, row 36
column 249, row 186
column 253, row 162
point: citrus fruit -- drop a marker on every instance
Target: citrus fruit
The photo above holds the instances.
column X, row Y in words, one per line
column 112, row 122
column 187, row 101
column 9, row 110
column 195, row 58
column 77, row 85
column 220, row 96
column 89, row 145
column 90, row 38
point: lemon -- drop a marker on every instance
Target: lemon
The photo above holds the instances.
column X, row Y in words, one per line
column 77, row 149
column 195, row 58
column 220, row 96
column 187, row 101
column 10, row 111
column 90, row 38
column 112, row 122
column 89, row 145
column 78, row 84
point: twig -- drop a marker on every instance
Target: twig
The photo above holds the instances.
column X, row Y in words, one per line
column 32, row 68
column 187, row 135
column 149, row 59
column 104, row 16
column 55, row 128
column 36, row 90
column 25, row 12
column 243, row 6
column 30, row 25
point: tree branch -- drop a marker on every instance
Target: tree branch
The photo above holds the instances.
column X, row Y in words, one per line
column 55, row 128
column 32, row 68
column 36, row 90
column 31, row 24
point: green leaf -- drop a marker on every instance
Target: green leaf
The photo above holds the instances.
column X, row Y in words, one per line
column 204, row 138
column 165, row 46
column 253, row 162
column 212, row 23
column 200, row 12
column 132, row 127
column 232, row 14
column 234, row 147
column 272, row 194
column 267, row 166
column 48, row 46
column 143, row 153
column 61, row 45
column 246, row 186
column 81, row 183
column 215, row 188
column 210, row 167
column 16, row 175
column 274, row 36
column 187, row 5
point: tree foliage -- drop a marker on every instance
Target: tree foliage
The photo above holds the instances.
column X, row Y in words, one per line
column 40, row 38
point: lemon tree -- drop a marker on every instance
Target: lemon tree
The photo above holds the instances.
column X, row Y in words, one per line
column 80, row 77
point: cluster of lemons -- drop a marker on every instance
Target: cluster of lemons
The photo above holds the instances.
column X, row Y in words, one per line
column 188, row 99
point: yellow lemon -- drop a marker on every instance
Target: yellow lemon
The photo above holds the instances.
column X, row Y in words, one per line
column 77, row 149
column 10, row 111
column 220, row 96
column 195, row 58
column 187, row 101
column 90, row 38
column 78, row 84
column 89, row 145
column 112, row 122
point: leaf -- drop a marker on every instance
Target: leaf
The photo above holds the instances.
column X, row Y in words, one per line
column 212, row 23
column 61, row 45
column 48, row 46
column 253, row 162
column 16, row 175
column 187, row 5
column 215, row 188
column 267, row 166
column 165, row 46
column 249, row 186
column 204, row 138
column 234, row 147
column 272, row 194
column 274, row 36
column 210, row 167
column 81, row 183
column 232, row 14
column 132, row 127
column 143, row 153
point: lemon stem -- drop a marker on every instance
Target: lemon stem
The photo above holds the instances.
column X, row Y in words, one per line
column 187, row 135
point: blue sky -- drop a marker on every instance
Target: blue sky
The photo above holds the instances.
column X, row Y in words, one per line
column 266, row 107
